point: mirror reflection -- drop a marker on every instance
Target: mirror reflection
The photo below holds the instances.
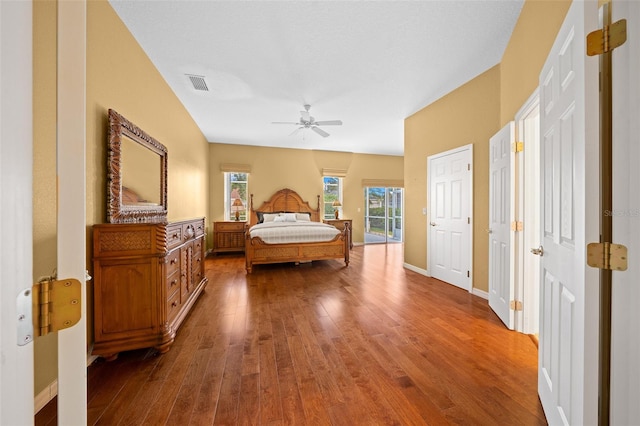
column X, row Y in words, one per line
column 140, row 170
column 136, row 174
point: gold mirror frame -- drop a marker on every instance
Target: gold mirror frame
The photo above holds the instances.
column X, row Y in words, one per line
column 117, row 211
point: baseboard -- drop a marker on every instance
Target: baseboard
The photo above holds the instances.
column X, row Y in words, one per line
column 480, row 293
column 45, row 396
column 416, row 269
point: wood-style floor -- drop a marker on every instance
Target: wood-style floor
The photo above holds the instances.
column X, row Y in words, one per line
column 321, row 344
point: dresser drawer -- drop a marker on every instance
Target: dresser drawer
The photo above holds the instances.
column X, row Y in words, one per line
column 173, row 282
column 173, row 305
column 173, row 262
column 174, row 236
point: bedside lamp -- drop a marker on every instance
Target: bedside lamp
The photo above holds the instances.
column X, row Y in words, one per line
column 336, row 204
column 237, row 206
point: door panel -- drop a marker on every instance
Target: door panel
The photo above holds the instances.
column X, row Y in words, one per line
column 625, row 327
column 449, row 225
column 567, row 373
column 16, row 162
column 501, row 214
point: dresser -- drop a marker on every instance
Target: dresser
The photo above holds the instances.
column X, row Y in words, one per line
column 228, row 236
column 339, row 223
column 147, row 277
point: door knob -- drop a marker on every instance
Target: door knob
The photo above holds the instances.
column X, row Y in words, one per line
column 432, row 224
column 488, row 230
column 538, row 251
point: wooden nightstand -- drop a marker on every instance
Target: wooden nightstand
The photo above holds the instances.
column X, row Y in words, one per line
column 228, row 236
column 339, row 223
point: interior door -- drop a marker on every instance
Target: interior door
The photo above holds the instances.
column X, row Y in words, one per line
column 449, row 198
column 16, row 368
column 567, row 371
column 501, row 214
column 16, row 151
column 625, row 327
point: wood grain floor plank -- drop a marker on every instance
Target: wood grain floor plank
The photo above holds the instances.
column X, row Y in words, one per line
column 320, row 343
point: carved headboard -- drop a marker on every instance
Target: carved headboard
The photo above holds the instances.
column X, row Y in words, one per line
column 285, row 200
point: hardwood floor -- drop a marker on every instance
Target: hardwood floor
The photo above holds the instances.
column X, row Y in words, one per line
column 321, row 344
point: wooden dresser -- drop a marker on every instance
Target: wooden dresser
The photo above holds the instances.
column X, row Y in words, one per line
column 146, row 279
column 228, row 236
column 339, row 223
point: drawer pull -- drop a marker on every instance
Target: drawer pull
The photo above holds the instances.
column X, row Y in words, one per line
column 175, row 236
column 174, row 304
column 174, row 282
column 174, row 260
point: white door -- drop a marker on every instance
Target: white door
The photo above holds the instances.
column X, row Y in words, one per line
column 568, row 351
column 449, row 196
column 625, row 330
column 501, row 214
column 16, row 368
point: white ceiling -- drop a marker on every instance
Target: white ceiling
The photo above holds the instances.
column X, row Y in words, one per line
column 370, row 64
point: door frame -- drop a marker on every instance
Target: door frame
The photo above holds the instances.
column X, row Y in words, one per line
column 430, row 159
column 72, row 217
column 527, row 265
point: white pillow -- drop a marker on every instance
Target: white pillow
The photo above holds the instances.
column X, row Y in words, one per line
column 289, row 217
column 269, row 217
column 279, row 218
column 302, row 217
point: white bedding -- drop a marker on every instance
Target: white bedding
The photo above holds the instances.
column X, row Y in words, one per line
column 293, row 232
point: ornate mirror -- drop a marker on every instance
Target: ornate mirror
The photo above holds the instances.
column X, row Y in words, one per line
column 136, row 174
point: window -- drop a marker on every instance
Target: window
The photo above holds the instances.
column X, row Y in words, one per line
column 235, row 187
column 332, row 192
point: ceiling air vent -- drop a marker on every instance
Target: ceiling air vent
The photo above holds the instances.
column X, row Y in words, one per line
column 198, row 82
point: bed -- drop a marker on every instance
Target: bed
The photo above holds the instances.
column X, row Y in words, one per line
column 287, row 204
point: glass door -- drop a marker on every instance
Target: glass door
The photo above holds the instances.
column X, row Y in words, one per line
column 383, row 215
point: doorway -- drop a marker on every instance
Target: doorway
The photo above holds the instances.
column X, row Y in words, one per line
column 450, row 201
column 383, row 215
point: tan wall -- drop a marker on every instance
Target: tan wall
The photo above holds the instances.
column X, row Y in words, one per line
column 472, row 114
column 526, row 52
column 301, row 170
column 119, row 76
column 468, row 115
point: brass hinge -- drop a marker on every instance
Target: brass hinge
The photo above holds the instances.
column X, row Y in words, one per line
column 515, row 305
column 517, row 226
column 56, row 305
column 517, row 146
column 607, row 39
column 607, row 256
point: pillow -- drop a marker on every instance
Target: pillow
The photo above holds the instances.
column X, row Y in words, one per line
column 289, row 217
column 260, row 217
column 279, row 218
column 303, row 217
column 269, row 217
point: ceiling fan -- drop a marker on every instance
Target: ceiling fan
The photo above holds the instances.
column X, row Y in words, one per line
column 308, row 122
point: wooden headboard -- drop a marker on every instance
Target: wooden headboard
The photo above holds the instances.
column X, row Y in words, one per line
column 285, row 200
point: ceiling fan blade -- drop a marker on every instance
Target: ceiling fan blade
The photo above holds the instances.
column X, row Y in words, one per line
column 305, row 115
column 296, row 131
column 283, row 122
column 320, row 131
column 329, row 123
